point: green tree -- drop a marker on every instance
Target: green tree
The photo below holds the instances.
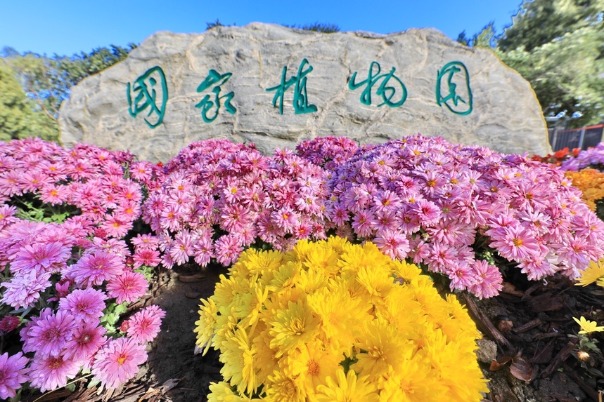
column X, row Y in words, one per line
column 487, row 37
column 539, row 22
column 558, row 46
column 18, row 115
column 48, row 81
column 43, row 84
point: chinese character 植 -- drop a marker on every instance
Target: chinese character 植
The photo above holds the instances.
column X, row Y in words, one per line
column 300, row 102
column 215, row 80
column 387, row 92
column 148, row 92
column 454, row 92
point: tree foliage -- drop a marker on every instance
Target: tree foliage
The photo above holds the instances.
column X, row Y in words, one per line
column 487, row 37
column 34, row 86
column 539, row 22
column 558, row 46
column 19, row 117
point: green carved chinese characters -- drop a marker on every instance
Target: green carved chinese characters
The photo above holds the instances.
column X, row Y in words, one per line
column 210, row 108
column 454, row 90
column 149, row 92
column 384, row 90
column 300, row 101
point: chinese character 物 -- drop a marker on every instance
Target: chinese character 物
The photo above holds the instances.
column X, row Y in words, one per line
column 386, row 91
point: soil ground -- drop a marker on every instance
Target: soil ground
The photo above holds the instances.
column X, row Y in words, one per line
column 527, row 353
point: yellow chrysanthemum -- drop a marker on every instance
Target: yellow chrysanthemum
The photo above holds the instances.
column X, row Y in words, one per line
column 283, row 388
column 312, row 364
column 286, row 325
column 222, row 392
column 377, row 281
column 323, row 258
column 293, row 326
column 250, row 304
column 380, row 348
column 206, row 325
column 587, row 326
column 266, row 360
column 286, row 275
column 347, row 388
column 255, row 264
column 403, row 312
column 406, row 272
column 238, row 359
column 412, row 381
column 593, row 273
column 312, row 279
column 340, row 316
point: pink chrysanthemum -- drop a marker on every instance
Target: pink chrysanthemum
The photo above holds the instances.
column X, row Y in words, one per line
column 96, row 267
column 49, row 333
column 146, row 256
column 84, row 304
column 12, row 374
column 489, row 280
column 118, row 361
column 127, row 287
column 24, row 290
column 144, row 326
column 145, row 241
column 392, row 243
column 47, row 256
column 51, row 372
column 87, row 339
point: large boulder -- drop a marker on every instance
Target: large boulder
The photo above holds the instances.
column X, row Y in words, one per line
column 275, row 86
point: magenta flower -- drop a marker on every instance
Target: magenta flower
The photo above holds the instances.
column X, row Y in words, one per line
column 84, row 304
column 24, row 291
column 48, row 373
column 95, row 267
column 145, row 242
column 48, row 334
column 144, row 326
column 146, row 256
column 127, row 287
column 12, row 374
column 118, row 361
column 8, row 324
column 86, row 340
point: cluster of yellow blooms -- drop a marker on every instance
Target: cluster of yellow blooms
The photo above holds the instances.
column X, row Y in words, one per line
column 332, row 321
column 593, row 273
column 591, row 184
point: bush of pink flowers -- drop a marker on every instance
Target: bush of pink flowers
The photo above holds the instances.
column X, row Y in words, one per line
column 591, row 157
column 66, row 269
column 327, row 152
column 458, row 209
column 218, row 197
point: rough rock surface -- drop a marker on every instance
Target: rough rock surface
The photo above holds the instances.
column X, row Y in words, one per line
column 482, row 101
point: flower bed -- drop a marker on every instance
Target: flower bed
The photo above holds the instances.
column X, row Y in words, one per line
column 218, row 198
column 330, row 321
column 67, row 272
column 461, row 210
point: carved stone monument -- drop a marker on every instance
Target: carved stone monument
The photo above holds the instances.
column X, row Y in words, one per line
column 275, row 86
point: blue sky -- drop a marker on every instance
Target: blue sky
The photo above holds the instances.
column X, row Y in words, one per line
column 66, row 27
